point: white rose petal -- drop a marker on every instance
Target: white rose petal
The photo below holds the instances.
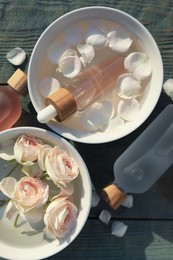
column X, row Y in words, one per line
column 97, row 116
column 139, row 64
column 127, row 86
column 70, row 66
column 95, row 37
column 128, row 202
column 168, row 87
column 16, row 56
column 118, row 228
column 87, row 52
column 34, row 215
column 105, row 216
column 119, row 40
column 7, row 186
column 128, row 109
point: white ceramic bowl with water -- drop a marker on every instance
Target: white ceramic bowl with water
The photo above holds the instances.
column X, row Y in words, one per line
column 24, row 242
column 152, row 90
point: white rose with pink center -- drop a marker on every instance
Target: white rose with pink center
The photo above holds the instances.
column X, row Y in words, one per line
column 60, row 166
column 60, row 218
column 28, row 196
column 26, row 149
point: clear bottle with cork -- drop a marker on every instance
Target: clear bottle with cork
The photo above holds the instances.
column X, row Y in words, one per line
column 90, row 85
column 145, row 160
column 10, row 101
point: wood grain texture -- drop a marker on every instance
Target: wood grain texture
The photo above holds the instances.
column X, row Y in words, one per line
column 150, row 226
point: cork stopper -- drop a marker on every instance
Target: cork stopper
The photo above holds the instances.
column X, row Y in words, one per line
column 63, row 102
column 113, row 196
column 18, row 81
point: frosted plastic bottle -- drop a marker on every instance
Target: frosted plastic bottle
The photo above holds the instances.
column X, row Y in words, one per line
column 10, row 103
column 83, row 90
column 146, row 159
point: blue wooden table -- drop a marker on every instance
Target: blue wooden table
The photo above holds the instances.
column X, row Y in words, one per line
column 150, row 220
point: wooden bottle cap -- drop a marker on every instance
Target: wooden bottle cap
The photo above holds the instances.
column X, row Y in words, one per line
column 18, row 81
column 113, row 196
column 64, row 103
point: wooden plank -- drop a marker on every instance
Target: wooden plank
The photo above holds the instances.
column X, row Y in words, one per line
column 143, row 240
column 22, row 22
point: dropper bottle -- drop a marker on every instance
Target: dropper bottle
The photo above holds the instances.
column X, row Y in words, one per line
column 83, row 90
column 10, row 102
column 146, row 159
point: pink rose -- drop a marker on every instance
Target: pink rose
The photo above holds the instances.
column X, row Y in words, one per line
column 28, row 196
column 60, row 218
column 26, row 149
column 60, row 166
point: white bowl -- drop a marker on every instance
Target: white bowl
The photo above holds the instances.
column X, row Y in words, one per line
column 24, row 242
column 152, row 91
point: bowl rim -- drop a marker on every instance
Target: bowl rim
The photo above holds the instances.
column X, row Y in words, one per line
column 16, row 253
column 98, row 137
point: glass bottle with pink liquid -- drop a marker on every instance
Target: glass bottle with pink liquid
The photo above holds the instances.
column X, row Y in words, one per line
column 10, row 99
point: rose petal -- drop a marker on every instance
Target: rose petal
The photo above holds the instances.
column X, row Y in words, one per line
column 105, row 216
column 127, row 86
column 70, row 66
column 42, row 156
column 87, row 52
column 128, row 109
column 34, row 215
column 95, row 37
column 11, row 210
column 16, row 56
column 128, row 202
column 118, row 228
column 168, row 87
column 139, row 64
column 119, row 40
column 7, row 186
column 97, row 115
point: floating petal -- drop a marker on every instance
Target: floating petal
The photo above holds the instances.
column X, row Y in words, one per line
column 95, row 37
column 47, row 86
column 73, row 35
column 55, row 51
column 87, row 52
column 97, row 116
column 128, row 202
column 115, row 123
column 70, row 66
column 105, row 216
column 16, row 56
column 128, row 109
column 68, row 53
column 139, row 64
column 127, row 86
column 119, row 40
column 168, row 87
column 118, row 228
